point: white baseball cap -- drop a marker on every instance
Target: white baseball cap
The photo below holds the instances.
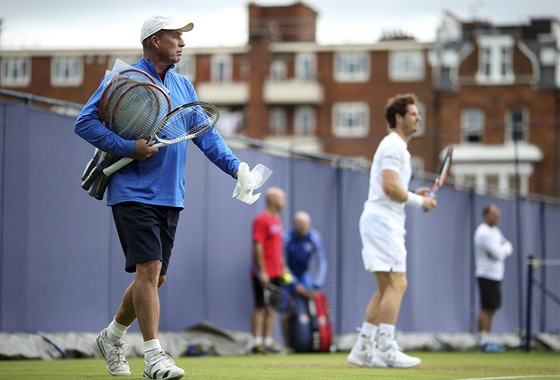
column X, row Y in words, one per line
column 156, row 23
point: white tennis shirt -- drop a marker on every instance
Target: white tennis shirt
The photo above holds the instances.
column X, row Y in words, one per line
column 491, row 249
column 392, row 154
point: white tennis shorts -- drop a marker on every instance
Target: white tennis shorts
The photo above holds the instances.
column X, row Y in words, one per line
column 383, row 248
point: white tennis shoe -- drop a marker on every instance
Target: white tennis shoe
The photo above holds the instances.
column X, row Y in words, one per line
column 364, row 353
column 394, row 357
column 113, row 354
column 161, row 366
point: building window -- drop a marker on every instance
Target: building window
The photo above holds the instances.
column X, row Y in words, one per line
column 517, row 121
column 472, row 125
column 350, row 120
column 351, row 66
column 67, row 71
column 16, row 72
column 306, row 66
column 277, row 121
column 495, row 60
column 548, row 56
column 406, row 66
column 278, row 71
column 221, row 68
column 304, row 121
column 187, row 67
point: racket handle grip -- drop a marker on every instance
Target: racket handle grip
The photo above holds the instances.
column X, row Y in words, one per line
column 108, row 171
column 91, row 164
column 86, row 184
column 101, row 187
column 117, row 165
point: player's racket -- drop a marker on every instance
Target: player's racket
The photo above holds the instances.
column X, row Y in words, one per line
column 183, row 123
column 443, row 170
column 278, row 300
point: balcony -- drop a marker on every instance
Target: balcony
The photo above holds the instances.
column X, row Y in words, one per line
column 293, row 92
column 227, row 93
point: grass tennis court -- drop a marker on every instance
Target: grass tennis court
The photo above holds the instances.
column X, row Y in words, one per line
column 440, row 365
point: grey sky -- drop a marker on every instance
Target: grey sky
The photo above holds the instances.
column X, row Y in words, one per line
column 75, row 24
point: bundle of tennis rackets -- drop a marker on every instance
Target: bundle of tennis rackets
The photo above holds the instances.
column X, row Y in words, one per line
column 133, row 106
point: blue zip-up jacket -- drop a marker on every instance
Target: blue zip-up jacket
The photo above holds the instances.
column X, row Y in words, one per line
column 304, row 253
column 160, row 179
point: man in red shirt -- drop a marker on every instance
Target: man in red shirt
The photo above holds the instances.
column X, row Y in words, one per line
column 268, row 265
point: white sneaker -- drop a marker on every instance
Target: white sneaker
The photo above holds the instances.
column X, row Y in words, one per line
column 364, row 353
column 113, row 354
column 161, row 366
column 393, row 357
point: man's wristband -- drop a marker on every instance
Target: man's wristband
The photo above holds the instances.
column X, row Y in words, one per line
column 414, row 200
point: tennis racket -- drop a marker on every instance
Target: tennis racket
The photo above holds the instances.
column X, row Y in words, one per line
column 120, row 81
column 131, row 109
column 443, row 171
column 278, row 300
column 183, row 123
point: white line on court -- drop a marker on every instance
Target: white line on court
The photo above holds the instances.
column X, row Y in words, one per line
column 515, row 377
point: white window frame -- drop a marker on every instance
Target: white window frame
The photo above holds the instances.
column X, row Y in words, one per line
column 472, row 124
column 277, row 121
column 495, row 61
column 350, row 119
column 351, row 66
column 16, row 71
column 524, row 124
column 221, row 68
column 187, row 67
column 547, row 56
column 304, row 121
column 406, row 65
column 67, row 71
column 278, row 71
column 306, row 67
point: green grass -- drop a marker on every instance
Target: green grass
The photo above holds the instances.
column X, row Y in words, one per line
column 435, row 365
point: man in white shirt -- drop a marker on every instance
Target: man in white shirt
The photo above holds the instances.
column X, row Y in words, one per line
column 491, row 249
column 382, row 230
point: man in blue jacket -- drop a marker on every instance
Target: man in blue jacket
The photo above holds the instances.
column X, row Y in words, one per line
column 146, row 198
column 305, row 256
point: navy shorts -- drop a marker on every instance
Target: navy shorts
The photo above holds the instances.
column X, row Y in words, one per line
column 258, row 289
column 146, row 232
column 490, row 294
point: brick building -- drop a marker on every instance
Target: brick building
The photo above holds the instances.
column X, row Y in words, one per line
column 474, row 83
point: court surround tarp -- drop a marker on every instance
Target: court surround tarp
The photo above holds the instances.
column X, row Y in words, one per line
column 206, row 338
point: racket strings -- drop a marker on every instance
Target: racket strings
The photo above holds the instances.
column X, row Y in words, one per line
column 139, row 111
column 186, row 123
column 278, row 301
column 116, row 86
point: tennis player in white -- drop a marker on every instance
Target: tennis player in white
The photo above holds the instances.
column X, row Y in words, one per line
column 382, row 229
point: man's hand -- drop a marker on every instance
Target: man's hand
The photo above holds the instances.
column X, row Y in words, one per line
column 143, row 151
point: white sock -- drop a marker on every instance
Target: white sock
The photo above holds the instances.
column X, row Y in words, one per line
column 116, row 331
column 258, row 340
column 385, row 336
column 268, row 341
column 151, row 347
column 483, row 337
column 369, row 329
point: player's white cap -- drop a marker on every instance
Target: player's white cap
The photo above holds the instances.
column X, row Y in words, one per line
column 158, row 22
